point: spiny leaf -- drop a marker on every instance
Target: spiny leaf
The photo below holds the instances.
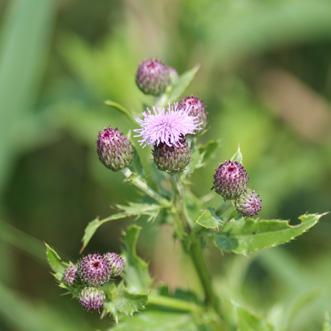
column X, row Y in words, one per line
column 133, row 209
column 122, row 303
column 245, row 236
column 207, row 220
column 55, row 262
column 136, row 276
column 121, row 109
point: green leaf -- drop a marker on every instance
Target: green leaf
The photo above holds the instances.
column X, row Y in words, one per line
column 245, row 236
column 136, row 276
column 121, row 109
column 55, row 262
column 133, row 209
column 122, row 303
column 207, row 220
column 248, row 321
column 208, row 149
column 237, row 156
column 158, row 321
column 178, row 87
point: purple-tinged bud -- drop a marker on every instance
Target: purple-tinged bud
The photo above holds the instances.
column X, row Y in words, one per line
column 172, row 159
column 116, row 262
column 94, row 269
column 114, row 149
column 249, row 203
column 195, row 107
column 92, row 298
column 70, row 275
column 230, row 180
column 153, row 77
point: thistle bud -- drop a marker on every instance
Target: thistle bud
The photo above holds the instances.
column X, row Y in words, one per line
column 172, row 159
column 70, row 275
column 153, row 77
column 94, row 269
column 248, row 203
column 230, row 180
column 195, row 107
column 92, row 298
column 114, row 149
column 116, row 263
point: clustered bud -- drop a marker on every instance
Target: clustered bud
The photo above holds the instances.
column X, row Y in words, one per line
column 249, row 203
column 91, row 273
column 153, row 77
column 70, row 275
column 196, row 108
column 172, row 159
column 114, row 149
column 230, row 180
column 116, row 263
column 92, row 298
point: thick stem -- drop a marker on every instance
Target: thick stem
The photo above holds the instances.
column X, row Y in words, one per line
column 173, row 304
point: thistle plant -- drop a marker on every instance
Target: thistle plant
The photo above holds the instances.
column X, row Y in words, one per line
column 119, row 285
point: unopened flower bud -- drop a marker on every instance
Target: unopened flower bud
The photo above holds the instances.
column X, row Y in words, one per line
column 116, row 263
column 94, row 269
column 92, row 298
column 70, row 275
column 172, row 159
column 195, row 107
column 230, row 180
column 248, row 203
column 114, row 149
column 153, row 77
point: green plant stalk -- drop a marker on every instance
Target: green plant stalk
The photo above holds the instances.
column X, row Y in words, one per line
column 173, row 304
column 194, row 249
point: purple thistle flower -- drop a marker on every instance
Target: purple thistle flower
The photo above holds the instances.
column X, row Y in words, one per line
column 153, row 77
column 172, row 159
column 166, row 125
column 230, row 180
column 94, row 269
column 114, row 149
column 116, row 262
column 195, row 107
column 249, row 203
column 92, row 298
column 70, row 274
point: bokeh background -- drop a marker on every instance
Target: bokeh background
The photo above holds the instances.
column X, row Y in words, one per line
column 265, row 76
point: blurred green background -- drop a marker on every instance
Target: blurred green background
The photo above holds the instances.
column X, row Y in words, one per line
column 265, row 77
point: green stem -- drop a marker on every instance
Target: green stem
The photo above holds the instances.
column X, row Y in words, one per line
column 172, row 303
column 138, row 182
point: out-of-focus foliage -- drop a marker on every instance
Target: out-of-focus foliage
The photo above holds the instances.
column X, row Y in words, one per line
column 265, row 77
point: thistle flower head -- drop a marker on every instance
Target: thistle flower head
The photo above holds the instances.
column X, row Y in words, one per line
column 94, row 269
column 92, row 298
column 153, row 77
column 195, row 107
column 114, row 149
column 116, row 263
column 249, row 203
column 172, row 159
column 230, row 180
column 166, row 125
column 70, row 275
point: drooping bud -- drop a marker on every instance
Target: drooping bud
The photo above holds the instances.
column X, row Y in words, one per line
column 248, row 203
column 114, row 149
column 230, row 180
column 153, row 77
column 70, row 275
column 92, row 298
column 195, row 107
column 116, row 262
column 172, row 159
column 94, row 269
